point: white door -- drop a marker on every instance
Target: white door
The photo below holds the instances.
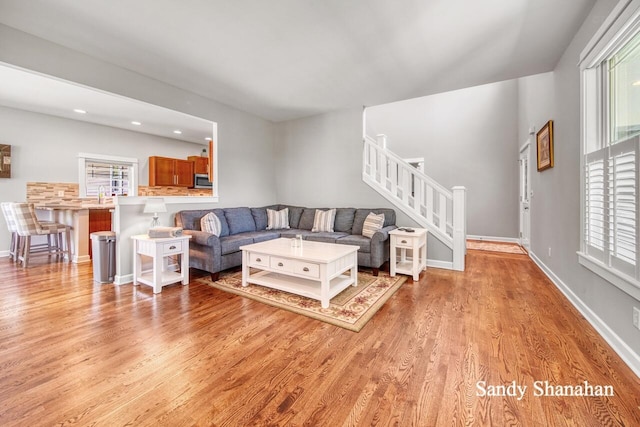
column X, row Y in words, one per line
column 525, row 192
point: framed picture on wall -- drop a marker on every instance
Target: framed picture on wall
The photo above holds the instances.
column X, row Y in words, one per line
column 544, row 141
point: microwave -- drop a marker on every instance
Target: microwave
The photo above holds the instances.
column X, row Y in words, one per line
column 201, row 180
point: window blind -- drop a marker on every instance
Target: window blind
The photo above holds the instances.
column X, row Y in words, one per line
column 114, row 177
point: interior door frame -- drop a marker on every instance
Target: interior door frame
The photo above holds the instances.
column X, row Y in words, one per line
column 525, row 150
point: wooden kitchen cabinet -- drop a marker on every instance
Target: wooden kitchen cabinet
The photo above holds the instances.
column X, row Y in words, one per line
column 99, row 220
column 200, row 164
column 165, row 171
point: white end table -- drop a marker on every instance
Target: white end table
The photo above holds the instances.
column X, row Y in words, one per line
column 403, row 241
column 159, row 249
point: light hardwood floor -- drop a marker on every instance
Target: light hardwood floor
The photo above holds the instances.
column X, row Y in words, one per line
column 77, row 353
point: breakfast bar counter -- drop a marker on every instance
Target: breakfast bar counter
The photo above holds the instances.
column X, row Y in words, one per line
column 77, row 217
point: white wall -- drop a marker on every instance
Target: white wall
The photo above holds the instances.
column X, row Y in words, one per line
column 555, row 210
column 467, row 137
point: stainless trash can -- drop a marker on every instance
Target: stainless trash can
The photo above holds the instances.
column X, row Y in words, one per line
column 103, row 248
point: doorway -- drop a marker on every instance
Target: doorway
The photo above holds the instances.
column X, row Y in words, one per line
column 525, row 195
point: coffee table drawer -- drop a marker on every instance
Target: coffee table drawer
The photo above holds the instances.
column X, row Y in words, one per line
column 281, row 264
column 259, row 260
column 306, row 269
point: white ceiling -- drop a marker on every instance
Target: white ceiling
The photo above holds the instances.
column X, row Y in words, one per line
column 284, row 59
column 43, row 94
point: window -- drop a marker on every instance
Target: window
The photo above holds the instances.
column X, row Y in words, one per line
column 611, row 147
column 116, row 176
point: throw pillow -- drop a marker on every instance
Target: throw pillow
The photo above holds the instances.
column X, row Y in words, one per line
column 372, row 224
column 210, row 223
column 323, row 221
column 277, row 220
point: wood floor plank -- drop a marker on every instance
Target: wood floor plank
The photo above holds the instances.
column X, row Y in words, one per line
column 76, row 352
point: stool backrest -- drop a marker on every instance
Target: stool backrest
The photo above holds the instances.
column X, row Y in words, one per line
column 26, row 221
column 9, row 216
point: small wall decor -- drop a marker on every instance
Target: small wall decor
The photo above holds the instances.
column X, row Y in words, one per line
column 544, row 141
column 5, row 161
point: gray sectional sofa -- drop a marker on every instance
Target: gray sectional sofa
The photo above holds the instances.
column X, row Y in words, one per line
column 243, row 226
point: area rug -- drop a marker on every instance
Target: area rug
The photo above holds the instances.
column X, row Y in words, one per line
column 351, row 309
column 481, row 245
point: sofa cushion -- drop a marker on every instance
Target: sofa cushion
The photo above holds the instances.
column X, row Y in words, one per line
column 323, row 221
column 260, row 217
column 307, row 217
column 344, row 219
column 232, row 243
column 277, row 220
column 293, row 232
column 361, row 215
column 240, row 220
column 210, row 223
column 190, row 220
column 325, row 236
column 372, row 223
column 364, row 243
column 294, row 214
column 262, row 236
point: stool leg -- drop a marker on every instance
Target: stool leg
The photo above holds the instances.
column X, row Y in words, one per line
column 25, row 251
column 13, row 247
column 67, row 234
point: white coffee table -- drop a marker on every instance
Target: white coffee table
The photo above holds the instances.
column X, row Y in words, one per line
column 316, row 270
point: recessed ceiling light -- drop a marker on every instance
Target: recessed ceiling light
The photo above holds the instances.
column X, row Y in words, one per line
column 79, row 111
column 177, row 131
column 136, row 123
column 636, row 83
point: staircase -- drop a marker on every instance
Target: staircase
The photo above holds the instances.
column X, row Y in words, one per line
column 441, row 211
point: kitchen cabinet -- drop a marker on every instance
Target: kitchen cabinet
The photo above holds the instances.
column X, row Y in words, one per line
column 99, row 220
column 165, row 171
column 200, row 164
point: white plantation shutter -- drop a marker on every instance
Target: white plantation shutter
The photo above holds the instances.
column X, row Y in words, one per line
column 596, row 208
column 623, row 200
column 611, row 205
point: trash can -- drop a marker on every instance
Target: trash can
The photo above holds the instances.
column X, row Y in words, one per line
column 103, row 248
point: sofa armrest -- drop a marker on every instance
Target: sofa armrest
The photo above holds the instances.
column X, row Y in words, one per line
column 204, row 251
column 382, row 234
column 203, row 238
column 380, row 243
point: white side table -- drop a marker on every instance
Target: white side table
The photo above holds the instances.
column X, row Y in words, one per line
column 403, row 241
column 160, row 249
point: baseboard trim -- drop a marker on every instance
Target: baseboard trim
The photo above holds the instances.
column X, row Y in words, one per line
column 4, row 254
column 436, row 263
column 123, row 280
column 626, row 353
column 494, row 239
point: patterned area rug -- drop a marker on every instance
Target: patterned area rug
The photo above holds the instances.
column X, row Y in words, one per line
column 481, row 245
column 351, row 309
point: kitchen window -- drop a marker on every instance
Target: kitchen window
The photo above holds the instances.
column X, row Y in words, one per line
column 610, row 78
column 114, row 176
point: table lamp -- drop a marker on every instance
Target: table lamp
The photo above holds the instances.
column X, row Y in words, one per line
column 155, row 205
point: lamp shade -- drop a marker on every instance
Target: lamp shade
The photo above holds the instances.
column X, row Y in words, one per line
column 154, row 205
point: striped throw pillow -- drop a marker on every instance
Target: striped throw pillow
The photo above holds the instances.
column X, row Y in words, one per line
column 323, row 221
column 372, row 224
column 277, row 220
column 210, row 223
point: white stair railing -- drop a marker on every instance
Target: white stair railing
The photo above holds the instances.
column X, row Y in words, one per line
column 441, row 211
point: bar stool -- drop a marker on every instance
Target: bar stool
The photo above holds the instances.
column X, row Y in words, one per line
column 13, row 229
column 27, row 225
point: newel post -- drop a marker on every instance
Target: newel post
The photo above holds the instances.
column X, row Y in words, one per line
column 459, row 227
